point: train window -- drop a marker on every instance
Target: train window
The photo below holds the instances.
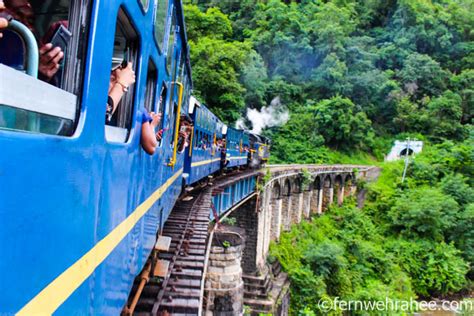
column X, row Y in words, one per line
column 144, row 4
column 171, row 44
column 51, row 105
column 119, row 118
column 151, row 80
column 160, row 108
column 174, row 114
column 161, row 15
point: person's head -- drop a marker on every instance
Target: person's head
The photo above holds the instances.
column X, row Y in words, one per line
column 22, row 11
column 186, row 122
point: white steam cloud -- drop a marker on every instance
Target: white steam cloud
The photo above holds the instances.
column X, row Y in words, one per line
column 275, row 114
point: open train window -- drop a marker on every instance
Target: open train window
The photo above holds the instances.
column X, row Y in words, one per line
column 161, row 15
column 161, row 108
column 151, row 80
column 119, row 120
column 52, row 103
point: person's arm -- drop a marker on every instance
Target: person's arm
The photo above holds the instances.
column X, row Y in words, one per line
column 125, row 78
column 3, row 21
column 149, row 139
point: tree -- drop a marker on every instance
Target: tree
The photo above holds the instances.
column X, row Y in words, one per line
column 341, row 125
column 424, row 74
column 216, row 75
column 445, row 114
column 212, row 23
column 424, row 212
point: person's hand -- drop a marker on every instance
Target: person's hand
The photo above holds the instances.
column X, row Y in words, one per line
column 159, row 135
column 3, row 21
column 49, row 60
column 156, row 119
column 183, row 134
column 125, row 76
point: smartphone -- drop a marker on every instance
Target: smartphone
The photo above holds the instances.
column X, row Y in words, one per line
column 61, row 38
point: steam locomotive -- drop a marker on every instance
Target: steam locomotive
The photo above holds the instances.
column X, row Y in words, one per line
column 80, row 202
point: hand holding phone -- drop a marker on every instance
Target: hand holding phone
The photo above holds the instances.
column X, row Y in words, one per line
column 61, row 38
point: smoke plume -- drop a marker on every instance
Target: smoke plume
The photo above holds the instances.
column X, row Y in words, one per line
column 274, row 114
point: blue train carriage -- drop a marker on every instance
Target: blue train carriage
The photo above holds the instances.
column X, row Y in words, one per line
column 80, row 201
column 204, row 155
column 259, row 149
column 236, row 142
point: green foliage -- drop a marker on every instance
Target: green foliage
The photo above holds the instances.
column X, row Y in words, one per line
column 399, row 66
column 341, row 125
column 435, row 268
column 216, row 67
column 229, row 221
column 424, row 212
column 411, row 240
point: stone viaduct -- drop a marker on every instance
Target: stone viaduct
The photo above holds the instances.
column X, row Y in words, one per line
column 239, row 278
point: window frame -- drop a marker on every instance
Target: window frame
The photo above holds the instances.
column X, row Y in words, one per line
column 151, row 86
column 165, row 25
column 73, row 77
column 126, row 108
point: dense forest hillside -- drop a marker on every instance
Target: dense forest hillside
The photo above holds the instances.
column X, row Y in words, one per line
column 338, row 81
column 351, row 73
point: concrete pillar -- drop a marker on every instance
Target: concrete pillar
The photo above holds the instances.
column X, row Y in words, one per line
column 224, row 287
column 314, row 201
column 328, row 197
column 340, row 196
column 268, row 227
column 307, row 203
column 296, row 208
column 320, row 201
column 286, row 212
column 276, row 219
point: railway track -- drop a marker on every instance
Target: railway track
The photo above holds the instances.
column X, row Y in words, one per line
column 172, row 281
column 177, row 265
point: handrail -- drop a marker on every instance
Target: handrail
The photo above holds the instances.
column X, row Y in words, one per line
column 177, row 122
column 191, row 145
column 213, row 150
column 32, row 53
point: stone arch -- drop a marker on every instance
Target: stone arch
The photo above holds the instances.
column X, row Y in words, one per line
column 348, row 184
column 296, row 208
column 297, row 185
column 316, row 196
column 339, row 189
column 275, row 205
column 286, row 204
column 327, row 191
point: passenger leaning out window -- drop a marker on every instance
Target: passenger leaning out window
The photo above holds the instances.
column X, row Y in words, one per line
column 150, row 138
column 121, row 78
column 185, row 129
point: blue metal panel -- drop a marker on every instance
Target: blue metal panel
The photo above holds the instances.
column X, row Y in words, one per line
column 70, row 193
